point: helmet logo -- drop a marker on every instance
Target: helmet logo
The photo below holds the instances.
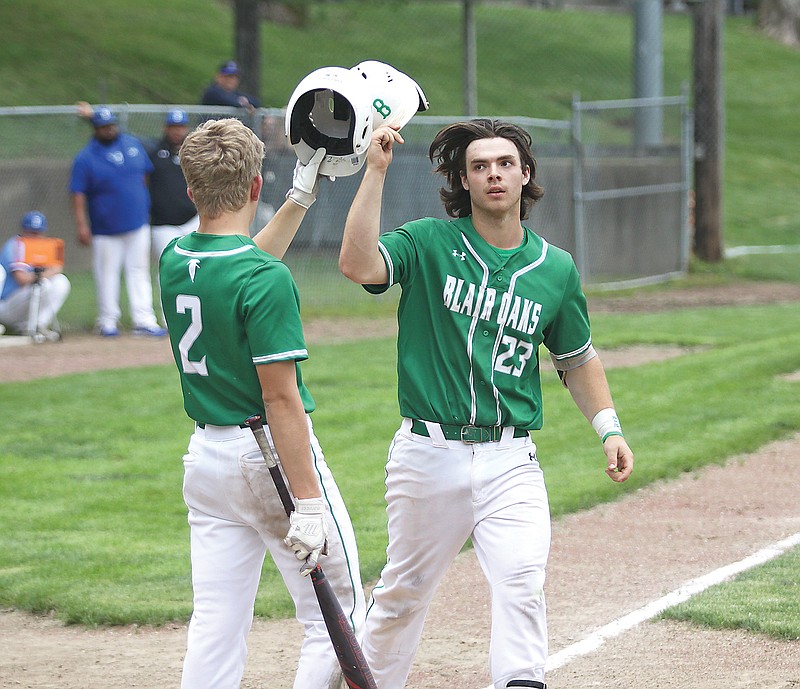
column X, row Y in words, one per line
column 337, row 109
column 382, row 108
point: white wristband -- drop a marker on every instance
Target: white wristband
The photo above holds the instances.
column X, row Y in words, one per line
column 309, row 505
column 606, row 423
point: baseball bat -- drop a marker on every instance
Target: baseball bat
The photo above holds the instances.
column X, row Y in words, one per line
column 355, row 669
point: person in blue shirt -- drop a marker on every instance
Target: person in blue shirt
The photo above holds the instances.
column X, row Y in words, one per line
column 224, row 89
column 111, row 206
column 19, row 274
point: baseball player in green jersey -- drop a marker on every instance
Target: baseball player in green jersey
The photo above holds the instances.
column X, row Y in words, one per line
column 480, row 293
column 232, row 311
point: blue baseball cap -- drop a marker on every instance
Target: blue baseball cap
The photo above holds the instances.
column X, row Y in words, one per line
column 229, row 67
column 103, row 116
column 176, row 117
column 34, row 221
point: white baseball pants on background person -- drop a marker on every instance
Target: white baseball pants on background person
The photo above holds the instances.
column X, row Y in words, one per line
column 15, row 310
column 235, row 516
column 439, row 493
column 163, row 234
column 113, row 255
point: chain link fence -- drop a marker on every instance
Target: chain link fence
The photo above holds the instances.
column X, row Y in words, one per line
column 615, row 166
column 616, row 205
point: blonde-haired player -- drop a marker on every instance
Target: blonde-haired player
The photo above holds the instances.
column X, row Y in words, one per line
column 232, row 311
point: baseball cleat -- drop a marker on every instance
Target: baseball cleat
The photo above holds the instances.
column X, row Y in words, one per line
column 150, row 331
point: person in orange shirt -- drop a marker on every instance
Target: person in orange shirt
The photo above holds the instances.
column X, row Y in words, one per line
column 18, row 277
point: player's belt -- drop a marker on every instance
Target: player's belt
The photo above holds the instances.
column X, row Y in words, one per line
column 466, row 434
column 202, row 425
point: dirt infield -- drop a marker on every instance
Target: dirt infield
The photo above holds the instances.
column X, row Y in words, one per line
column 605, row 563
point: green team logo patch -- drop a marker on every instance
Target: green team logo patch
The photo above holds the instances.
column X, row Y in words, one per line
column 381, row 108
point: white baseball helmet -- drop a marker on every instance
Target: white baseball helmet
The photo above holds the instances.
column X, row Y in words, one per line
column 394, row 96
column 330, row 109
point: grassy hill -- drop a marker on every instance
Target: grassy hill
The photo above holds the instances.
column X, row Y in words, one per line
column 530, row 62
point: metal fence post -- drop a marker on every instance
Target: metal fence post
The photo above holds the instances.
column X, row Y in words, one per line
column 577, row 190
column 687, row 158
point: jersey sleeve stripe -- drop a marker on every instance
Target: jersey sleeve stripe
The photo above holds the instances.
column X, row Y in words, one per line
column 573, row 353
column 281, row 356
column 388, row 260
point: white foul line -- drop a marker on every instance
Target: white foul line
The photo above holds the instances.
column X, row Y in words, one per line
column 656, row 607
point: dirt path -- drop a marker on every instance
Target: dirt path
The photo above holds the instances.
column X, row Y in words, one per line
column 605, row 563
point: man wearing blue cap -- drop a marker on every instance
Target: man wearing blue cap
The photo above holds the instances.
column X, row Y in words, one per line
column 224, row 89
column 111, row 205
column 24, row 265
column 172, row 212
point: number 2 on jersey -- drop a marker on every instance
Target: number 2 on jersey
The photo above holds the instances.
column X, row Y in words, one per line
column 191, row 303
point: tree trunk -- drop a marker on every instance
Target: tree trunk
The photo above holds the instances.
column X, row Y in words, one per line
column 708, row 129
column 247, row 26
column 780, row 19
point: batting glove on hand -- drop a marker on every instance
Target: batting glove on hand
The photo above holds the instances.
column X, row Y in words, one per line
column 305, row 181
column 308, row 530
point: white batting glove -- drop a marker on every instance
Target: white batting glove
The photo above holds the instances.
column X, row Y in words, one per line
column 308, row 530
column 305, row 181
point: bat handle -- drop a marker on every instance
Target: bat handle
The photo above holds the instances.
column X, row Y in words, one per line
column 256, row 425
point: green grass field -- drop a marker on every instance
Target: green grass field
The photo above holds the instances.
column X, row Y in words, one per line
column 81, row 513
column 765, row 600
column 84, row 511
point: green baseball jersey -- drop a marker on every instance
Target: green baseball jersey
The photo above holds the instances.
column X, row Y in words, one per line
column 229, row 307
column 471, row 318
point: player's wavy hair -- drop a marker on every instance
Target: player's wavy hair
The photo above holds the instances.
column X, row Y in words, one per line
column 220, row 159
column 449, row 149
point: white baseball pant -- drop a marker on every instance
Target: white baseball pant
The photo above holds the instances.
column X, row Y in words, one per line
column 235, row 516
column 112, row 255
column 439, row 493
column 15, row 310
column 163, row 234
